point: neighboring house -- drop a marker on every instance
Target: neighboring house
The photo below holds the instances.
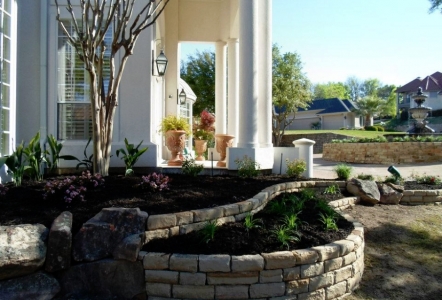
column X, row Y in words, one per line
column 330, row 114
column 431, row 86
column 44, row 86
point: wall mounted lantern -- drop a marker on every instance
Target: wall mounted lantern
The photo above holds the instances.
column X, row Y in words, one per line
column 160, row 62
column 182, row 97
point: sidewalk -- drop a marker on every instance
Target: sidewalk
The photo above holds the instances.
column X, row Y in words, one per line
column 324, row 169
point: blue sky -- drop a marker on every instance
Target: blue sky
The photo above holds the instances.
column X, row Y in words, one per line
column 392, row 40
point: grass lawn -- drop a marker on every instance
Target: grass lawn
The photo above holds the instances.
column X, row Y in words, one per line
column 354, row 133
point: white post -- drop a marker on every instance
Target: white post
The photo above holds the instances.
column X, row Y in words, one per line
column 220, row 88
column 306, row 153
column 233, row 89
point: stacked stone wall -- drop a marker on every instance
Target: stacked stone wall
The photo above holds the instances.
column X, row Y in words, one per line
column 330, row 271
column 384, row 153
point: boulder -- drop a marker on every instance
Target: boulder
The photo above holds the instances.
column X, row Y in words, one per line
column 367, row 190
column 22, row 249
column 58, row 256
column 129, row 248
column 390, row 193
column 37, row 286
column 105, row 279
column 99, row 236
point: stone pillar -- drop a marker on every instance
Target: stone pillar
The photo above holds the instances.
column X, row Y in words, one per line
column 233, row 90
column 220, row 88
column 306, row 153
column 265, row 74
column 248, row 74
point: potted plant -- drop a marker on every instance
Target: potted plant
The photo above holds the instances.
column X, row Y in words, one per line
column 201, row 137
column 175, row 129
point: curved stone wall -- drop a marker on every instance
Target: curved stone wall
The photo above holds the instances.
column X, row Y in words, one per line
column 324, row 272
column 383, row 153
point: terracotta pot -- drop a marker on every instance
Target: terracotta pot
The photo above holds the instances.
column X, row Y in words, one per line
column 200, row 148
column 175, row 142
column 222, row 142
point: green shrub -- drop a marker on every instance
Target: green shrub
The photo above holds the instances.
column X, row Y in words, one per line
column 426, row 179
column 247, row 167
column 332, row 190
column 209, row 230
column 191, row 168
column 365, row 177
column 296, row 167
column 371, row 128
column 343, row 171
column 328, row 221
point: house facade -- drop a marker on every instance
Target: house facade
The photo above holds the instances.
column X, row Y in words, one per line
column 44, row 87
column 431, row 85
column 331, row 114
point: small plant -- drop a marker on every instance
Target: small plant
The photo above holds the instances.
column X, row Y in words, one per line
column 307, row 194
column 131, row 155
column 35, row 157
column 201, row 134
column 323, row 207
column 174, row 123
column 15, row 164
column 53, row 156
column 291, row 221
column 278, row 207
column 343, row 171
column 209, row 230
column 247, row 167
column 87, row 160
column 329, row 222
column 426, row 179
column 250, row 223
column 365, row 176
column 393, row 179
column 332, row 190
column 284, row 235
column 191, row 168
column 296, row 167
column 155, row 182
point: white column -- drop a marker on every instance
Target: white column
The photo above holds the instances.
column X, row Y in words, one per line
column 220, row 88
column 265, row 74
column 233, row 89
column 248, row 74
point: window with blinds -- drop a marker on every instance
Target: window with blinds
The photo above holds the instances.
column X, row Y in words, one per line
column 74, row 108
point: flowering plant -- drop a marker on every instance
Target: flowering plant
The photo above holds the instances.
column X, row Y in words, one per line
column 154, row 181
column 201, row 134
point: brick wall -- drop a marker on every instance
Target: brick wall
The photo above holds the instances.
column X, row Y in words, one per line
column 320, row 139
column 384, row 153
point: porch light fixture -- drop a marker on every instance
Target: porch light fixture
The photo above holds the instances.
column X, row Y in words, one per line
column 182, row 97
column 160, row 62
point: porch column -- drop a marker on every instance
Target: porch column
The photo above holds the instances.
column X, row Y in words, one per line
column 233, row 89
column 248, row 74
column 265, row 74
column 220, row 88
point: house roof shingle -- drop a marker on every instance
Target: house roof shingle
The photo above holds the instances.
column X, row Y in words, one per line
column 432, row 82
column 329, row 106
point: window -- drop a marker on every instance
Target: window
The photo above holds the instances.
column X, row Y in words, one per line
column 73, row 101
column 6, row 79
column 185, row 113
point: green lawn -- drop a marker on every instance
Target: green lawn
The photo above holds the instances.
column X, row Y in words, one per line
column 354, row 133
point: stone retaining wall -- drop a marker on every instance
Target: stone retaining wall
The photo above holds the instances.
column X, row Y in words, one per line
column 319, row 138
column 421, row 197
column 384, row 153
column 325, row 272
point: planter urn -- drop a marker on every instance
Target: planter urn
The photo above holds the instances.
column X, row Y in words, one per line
column 175, row 142
column 200, row 148
column 223, row 141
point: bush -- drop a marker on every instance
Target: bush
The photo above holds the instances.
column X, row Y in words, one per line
column 191, row 168
column 365, row 177
column 247, row 167
column 155, row 182
column 371, row 128
column 379, row 128
column 343, row 171
column 296, row 167
column 426, row 179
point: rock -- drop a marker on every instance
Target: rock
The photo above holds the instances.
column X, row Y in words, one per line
column 37, row 286
column 367, row 190
column 105, row 279
column 398, row 188
column 129, row 248
column 390, row 195
column 22, row 249
column 99, row 236
column 59, row 243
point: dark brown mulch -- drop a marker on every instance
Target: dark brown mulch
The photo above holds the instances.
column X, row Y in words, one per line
column 413, row 185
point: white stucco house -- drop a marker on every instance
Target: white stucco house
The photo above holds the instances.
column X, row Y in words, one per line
column 40, row 93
